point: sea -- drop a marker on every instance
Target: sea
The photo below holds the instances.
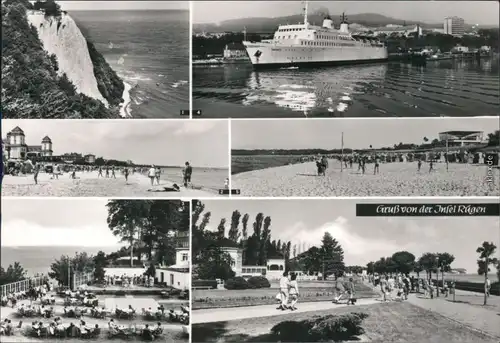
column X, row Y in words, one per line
column 447, row 88
column 150, row 51
column 37, row 260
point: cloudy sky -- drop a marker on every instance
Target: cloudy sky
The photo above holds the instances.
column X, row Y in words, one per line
column 56, row 222
column 91, row 5
column 358, row 134
column 166, row 142
column 474, row 12
column 366, row 239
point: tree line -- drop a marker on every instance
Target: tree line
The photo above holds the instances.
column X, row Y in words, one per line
column 493, row 140
column 256, row 246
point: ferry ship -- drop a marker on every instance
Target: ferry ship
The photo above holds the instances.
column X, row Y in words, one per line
column 310, row 45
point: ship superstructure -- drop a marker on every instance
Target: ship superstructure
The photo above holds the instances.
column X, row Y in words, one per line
column 306, row 45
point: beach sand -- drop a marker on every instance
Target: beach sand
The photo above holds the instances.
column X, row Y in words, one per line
column 88, row 184
column 395, row 179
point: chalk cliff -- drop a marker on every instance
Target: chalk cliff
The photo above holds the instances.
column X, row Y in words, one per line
column 61, row 37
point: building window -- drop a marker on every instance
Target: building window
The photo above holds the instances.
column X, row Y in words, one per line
column 184, row 256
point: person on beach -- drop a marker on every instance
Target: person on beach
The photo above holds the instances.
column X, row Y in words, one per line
column 35, row 173
column 186, row 173
column 384, row 287
column 125, row 172
column 99, row 172
column 376, row 169
column 284, row 285
column 113, row 175
column 363, row 165
column 294, row 291
column 107, row 171
column 157, row 175
column 431, row 165
column 55, row 172
column 152, row 174
column 419, row 164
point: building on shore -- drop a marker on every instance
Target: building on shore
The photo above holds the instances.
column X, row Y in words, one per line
column 235, row 51
column 462, row 138
column 177, row 275
column 273, row 270
column 454, row 26
column 89, row 158
column 14, row 146
column 398, row 30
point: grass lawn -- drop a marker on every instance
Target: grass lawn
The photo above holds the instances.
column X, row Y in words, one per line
column 250, row 297
column 387, row 323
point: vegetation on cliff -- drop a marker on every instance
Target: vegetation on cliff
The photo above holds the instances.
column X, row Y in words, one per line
column 31, row 86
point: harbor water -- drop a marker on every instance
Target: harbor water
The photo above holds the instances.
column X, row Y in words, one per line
column 446, row 88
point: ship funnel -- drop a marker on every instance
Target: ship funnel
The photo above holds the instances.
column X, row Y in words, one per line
column 344, row 27
column 328, row 23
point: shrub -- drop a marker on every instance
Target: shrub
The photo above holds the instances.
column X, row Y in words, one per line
column 258, row 282
column 204, row 283
column 320, row 329
column 237, row 283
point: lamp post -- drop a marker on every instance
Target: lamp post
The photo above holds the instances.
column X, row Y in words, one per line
column 437, row 277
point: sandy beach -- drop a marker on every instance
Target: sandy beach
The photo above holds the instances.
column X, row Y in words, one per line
column 395, row 179
column 88, row 184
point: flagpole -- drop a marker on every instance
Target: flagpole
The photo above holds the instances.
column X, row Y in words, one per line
column 446, row 157
column 342, row 153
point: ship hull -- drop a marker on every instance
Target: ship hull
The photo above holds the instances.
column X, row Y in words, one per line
column 264, row 56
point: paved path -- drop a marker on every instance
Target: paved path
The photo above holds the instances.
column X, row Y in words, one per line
column 238, row 313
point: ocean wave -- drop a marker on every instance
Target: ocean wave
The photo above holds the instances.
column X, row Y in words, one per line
column 179, row 83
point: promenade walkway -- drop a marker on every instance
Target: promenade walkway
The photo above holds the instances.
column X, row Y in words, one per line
column 226, row 314
column 467, row 309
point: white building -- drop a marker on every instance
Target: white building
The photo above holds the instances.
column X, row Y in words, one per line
column 454, row 26
column 14, row 146
column 90, row 158
column 460, row 48
column 235, row 51
column 178, row 275
column 462, row 138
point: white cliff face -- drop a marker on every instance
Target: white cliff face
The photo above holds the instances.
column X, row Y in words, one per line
column 70, row 47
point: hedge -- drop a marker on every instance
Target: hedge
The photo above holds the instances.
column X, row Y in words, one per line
column 336, row 328
column 258, row 282
column 236, row 283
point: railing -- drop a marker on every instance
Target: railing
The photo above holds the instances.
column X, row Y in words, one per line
column 20, row 286
column 81, row 279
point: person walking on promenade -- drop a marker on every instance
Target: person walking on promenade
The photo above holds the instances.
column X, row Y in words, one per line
column 294, row 291
column 284, row 286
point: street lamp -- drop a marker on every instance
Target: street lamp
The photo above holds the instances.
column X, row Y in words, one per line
column 437, row 276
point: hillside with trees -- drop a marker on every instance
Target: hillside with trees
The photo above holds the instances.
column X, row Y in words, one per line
column 31, row 85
